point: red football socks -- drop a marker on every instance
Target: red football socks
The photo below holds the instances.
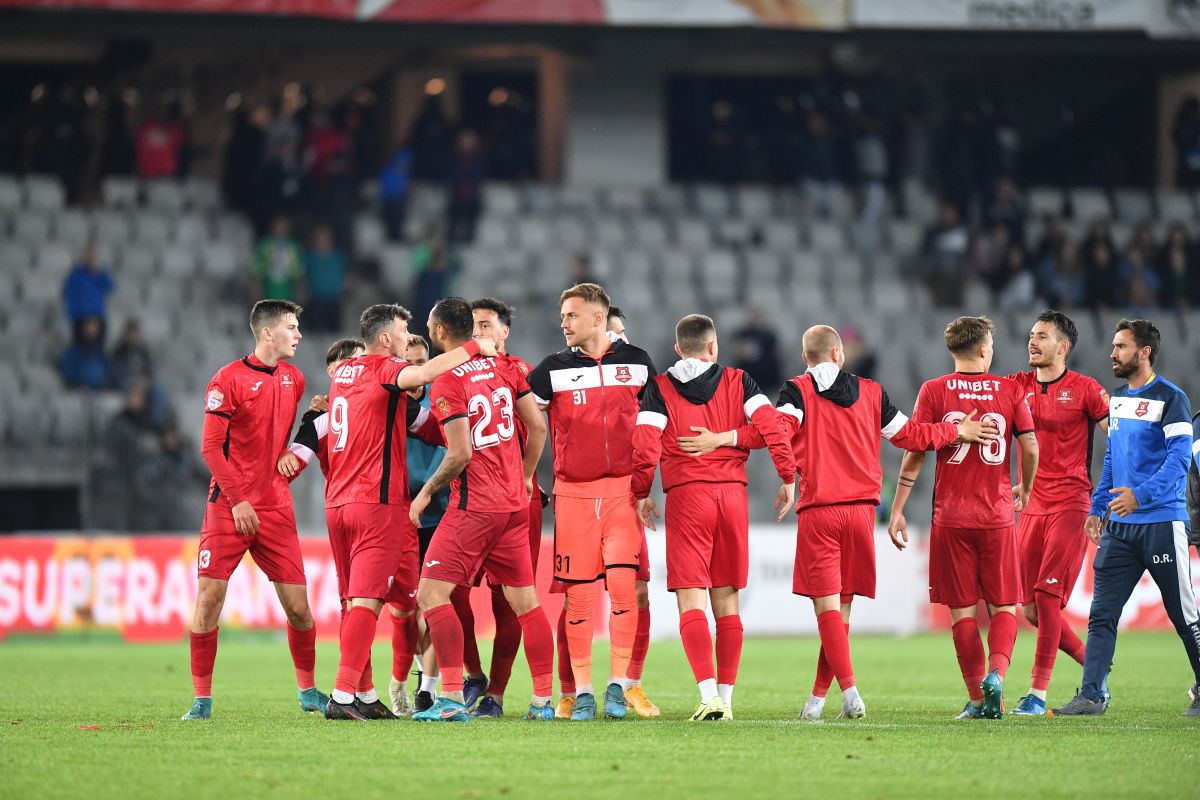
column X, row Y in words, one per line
column 506, row 643
column 461, row 598
column 697, row 643
column 641, row 645
column 539, row 650
column 366, row 679
column 836, row 645
column 358, row 632
column 580, row 599
column 303, row 645
column 971, row 659
column 566, row 676
column 1071, row 644
column 622, row 620
column 1049, row 630
column 404, row 644
column 1002, row 635
column 447, row 634
column 824, row 677
column 204, row 655
column 729, row 648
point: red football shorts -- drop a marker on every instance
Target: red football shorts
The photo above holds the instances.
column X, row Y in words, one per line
column 835, row 551
column 592, row 534
column 967, row 565
column 1052, row 547
column 708, row 531
column 275, row 548
column 375, row 552
column 467, row 541
column 535, row 539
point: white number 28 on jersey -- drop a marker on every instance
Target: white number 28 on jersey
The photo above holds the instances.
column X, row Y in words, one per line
column 479, row 408
column 992, row 452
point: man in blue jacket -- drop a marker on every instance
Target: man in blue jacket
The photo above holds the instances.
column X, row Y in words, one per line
column 1143, row 491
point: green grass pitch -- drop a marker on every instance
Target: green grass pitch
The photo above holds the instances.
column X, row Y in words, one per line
column 54, row 693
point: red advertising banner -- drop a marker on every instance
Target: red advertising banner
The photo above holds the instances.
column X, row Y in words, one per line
column 145, row 587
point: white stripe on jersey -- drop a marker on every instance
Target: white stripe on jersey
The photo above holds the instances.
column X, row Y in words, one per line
column 1129, row 408
column 755, row 403
column 1177, row 429
column 798, row 413
column 653, row 419
column 893, row 427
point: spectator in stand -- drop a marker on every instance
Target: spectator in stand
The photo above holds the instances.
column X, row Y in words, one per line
column 120, row 151
column 436, row 268
column 756, row 351
column 1139, row 283
column 281, row 189
column 244, row 156
column 465, row 179
column 132, row 365
column 1103, row 274
column 86, row 291
column 1019, row 289
column 325, row 141
column 1143, row 239
column 1185, row 135
column 581, row 270
column 85, row 365
column 394, row 181
column 132, row 443
column 1046, row 254
column 1068, row 287
column 65, row 145
column 159, row 146
column 818, row 163
column 1007, row 208
column 278, row 268
column 989, row 254
column 943, row 257
column 1177, row 270
column 340, row 198
column 325, row 266
column 172, row 473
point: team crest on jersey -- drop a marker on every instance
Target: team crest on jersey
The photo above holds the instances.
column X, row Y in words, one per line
column 521, row 366
column 1065, row 396
column 443, row 406
column 215, row 399
column 287, row 380
column 1143, row 408
column 623, row 375
column 1104, row 396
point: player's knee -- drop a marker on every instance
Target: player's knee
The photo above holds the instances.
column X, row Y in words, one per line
column 429, row 597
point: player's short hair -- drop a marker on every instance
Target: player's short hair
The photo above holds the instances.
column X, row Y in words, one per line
column 588, row 293
column 615, row 312
column 378, row 317
column 1145, row 334
column 693, row 332
column 417, row 340
column 342, row 349
column 966, row 333
column 454, row 313
column 267, row 313
column 1066, row 326
column 503, row 310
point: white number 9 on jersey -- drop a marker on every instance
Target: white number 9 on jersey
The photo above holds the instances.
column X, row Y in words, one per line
column 339, row 422
column 480, row 410
column 992, row 452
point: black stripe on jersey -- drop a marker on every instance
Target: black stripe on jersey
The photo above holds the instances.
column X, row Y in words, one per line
column 652, row 399
column 790, row 393
column 750, row 387
column 393, row 407
column 622, row 566
column 216, row 492
column 453, row 417
column 224, row 414
column 266, row 369
column 887, row 411
column 462, row 488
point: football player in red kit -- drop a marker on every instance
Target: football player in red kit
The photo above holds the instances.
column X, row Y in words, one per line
column 250, row 407
column 973, row 553
column 1066, row 408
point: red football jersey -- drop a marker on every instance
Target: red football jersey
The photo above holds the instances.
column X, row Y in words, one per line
column 366, row 433
column 485, row 391
column 1065, row 412
column 971, row 487
column 250, row 409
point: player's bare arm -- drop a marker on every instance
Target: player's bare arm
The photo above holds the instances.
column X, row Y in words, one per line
column 416, row 375
column 647, row 510
column 458, row 453
column 1029, row 461
column 535, row 441
column 910, row 470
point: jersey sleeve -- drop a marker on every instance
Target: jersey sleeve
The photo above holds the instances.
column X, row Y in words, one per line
column 1022, row 416
column 540, row 384
column 1095, row 401
column 651, row 372
column 388, row 369
column 314, row 426
column 1177, row 433
column 772, row 425
column 908, row 434
column 422, row 425
column 924, row 410
column 220, row 405
column 647, row 438
column 446, row 399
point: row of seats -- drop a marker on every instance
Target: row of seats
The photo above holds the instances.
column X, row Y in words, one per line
column 116, row 227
